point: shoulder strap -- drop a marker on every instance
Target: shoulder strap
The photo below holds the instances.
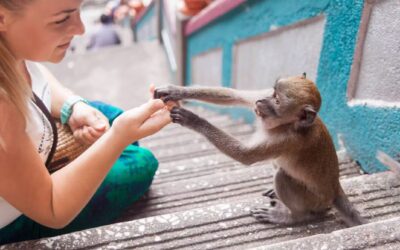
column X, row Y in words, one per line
column 46, row 112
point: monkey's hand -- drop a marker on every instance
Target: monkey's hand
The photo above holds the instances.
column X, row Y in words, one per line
column 169, row 93
column 185, row 118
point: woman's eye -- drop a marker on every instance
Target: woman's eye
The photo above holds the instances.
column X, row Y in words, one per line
column 63, row 20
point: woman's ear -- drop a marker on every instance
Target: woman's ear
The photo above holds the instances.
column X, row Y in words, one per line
column 4, row 16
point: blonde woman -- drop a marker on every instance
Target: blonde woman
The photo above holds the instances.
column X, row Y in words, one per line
column 93, row 189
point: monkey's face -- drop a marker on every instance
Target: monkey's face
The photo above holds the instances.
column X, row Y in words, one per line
column 292, row 100
column 274, row 110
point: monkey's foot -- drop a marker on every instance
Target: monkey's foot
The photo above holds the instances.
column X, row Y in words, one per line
column 272, row 215
column 276, row 213
column 270, row 194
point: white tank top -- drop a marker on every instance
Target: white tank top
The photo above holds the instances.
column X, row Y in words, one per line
column 39, row 130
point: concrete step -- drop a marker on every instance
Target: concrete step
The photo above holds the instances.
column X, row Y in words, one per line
column 191, row 150
column 200, row 192
column 209, row 187
column 227, row 225
column 183, row 165
column 381, row 235
column 184, row 153
column 217, row 163
column 183, row 136
column 174, row 131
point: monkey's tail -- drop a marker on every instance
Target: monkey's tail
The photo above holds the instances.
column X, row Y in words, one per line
column 349, row 214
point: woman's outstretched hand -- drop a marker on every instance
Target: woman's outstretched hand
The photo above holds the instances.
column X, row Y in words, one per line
column 87, row 123
column 140, row 122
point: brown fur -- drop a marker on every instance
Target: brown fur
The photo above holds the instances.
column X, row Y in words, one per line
column 307, row 182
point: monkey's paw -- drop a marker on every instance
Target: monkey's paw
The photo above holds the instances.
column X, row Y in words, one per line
column 184, row 117
column 168, row 93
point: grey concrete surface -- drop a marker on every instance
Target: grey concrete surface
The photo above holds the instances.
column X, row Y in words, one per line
column 203, row 202
column 379, row 235
column 119, row 75
column 228, row 225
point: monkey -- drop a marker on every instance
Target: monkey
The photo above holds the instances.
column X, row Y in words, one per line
column 291, row 134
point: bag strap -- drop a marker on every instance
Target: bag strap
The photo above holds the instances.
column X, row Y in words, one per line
column 46, row 112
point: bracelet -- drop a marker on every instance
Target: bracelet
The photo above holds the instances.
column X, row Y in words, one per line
column 66, row 109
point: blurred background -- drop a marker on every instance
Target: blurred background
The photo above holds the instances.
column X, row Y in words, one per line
column 348, row 47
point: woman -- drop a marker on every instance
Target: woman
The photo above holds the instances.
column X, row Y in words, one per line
column 85, row 193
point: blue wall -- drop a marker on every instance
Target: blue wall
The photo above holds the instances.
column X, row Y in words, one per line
column 364, row 129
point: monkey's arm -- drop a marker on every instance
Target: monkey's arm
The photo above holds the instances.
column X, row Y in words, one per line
column 217, row 95
column 224, row 142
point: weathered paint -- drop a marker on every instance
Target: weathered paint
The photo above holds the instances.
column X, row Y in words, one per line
column 202, row 73
column 364, row 129
column 286, row 51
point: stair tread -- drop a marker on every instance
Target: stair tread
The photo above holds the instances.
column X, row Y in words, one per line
column 377, row 235
column 191, row 191
column 227, row 225
column 183, row 136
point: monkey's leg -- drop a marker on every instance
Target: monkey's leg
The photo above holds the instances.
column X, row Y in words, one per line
column 270, row 193
column 295, row 204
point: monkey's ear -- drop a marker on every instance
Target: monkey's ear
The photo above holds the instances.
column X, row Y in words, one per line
column 307, row 116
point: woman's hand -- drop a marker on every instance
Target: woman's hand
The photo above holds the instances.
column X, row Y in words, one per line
column 87, row 123
column 140, row 122
column 169, row 104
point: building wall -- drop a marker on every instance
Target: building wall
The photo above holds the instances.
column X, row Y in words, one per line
column 364, row 127
column 207, row 68
column 258, row 62
column 379, row 74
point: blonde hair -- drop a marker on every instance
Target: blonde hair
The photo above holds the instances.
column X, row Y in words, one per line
column 13, row 87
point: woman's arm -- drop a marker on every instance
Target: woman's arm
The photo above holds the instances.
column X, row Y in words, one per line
column 54, row 200
column 86, row 122
column 59, row 94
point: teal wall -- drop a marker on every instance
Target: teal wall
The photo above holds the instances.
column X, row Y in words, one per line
column 150, row 14
column 364, row 129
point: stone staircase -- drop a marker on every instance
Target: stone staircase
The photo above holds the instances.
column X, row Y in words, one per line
column 200, row 199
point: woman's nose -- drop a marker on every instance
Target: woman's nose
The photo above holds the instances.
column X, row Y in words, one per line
column 77, row 27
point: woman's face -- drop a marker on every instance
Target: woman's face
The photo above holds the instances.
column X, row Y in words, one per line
column 43, row 30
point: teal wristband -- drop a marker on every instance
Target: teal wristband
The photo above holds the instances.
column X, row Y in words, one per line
column 66, row 109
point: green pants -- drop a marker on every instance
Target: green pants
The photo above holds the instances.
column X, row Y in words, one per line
column 129, row 178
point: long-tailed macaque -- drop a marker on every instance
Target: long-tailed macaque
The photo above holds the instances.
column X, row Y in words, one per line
column 306, row 184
